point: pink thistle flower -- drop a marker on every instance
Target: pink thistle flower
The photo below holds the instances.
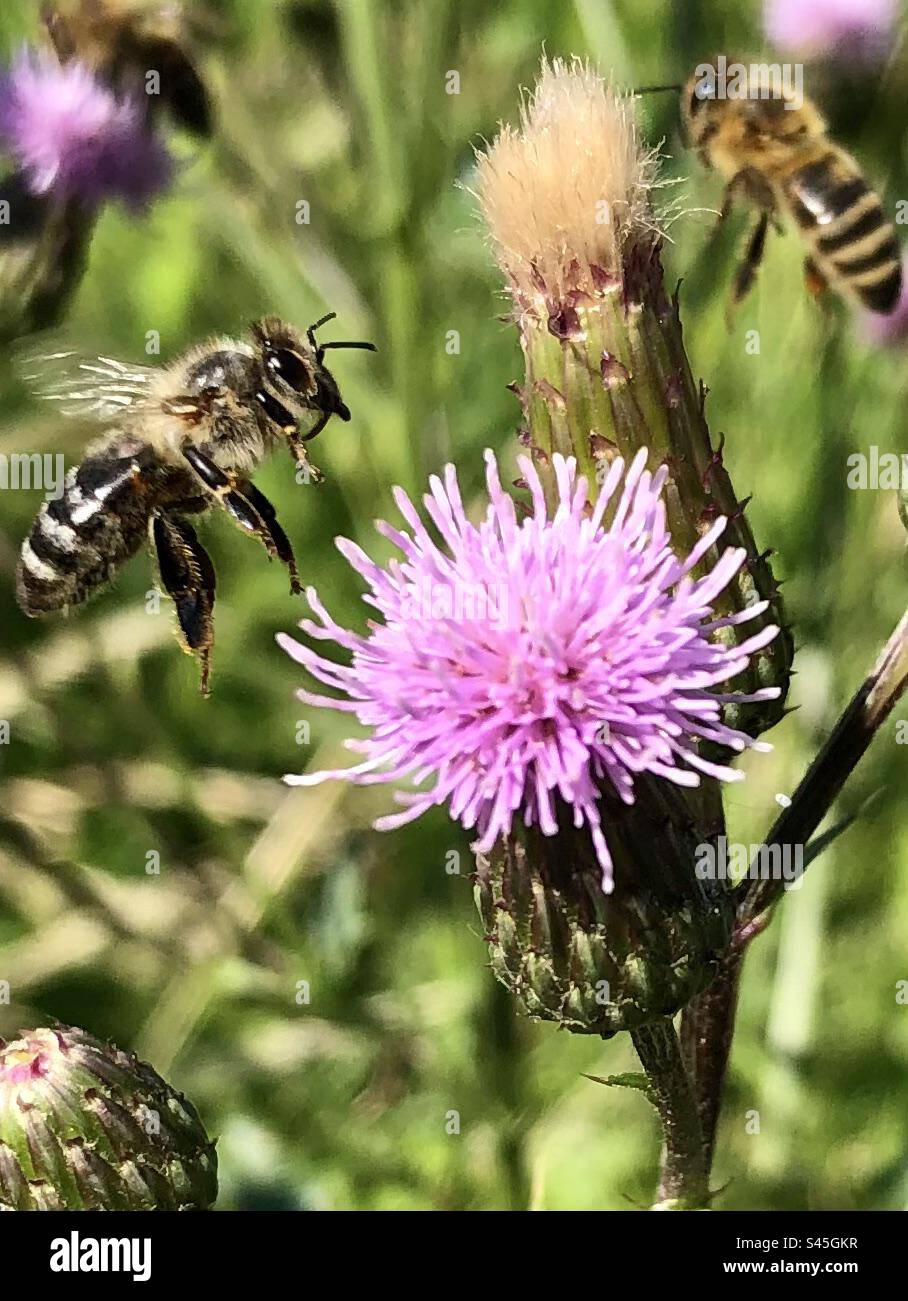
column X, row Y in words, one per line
column 72, row 137
column 851, row 29
column 529, row 661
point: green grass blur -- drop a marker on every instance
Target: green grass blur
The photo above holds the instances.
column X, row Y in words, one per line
column 346, row 1100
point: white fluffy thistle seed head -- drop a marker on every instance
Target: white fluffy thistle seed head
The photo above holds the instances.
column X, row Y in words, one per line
column 567, row 194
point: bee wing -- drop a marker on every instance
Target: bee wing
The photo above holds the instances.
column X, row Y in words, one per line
column 98, row 388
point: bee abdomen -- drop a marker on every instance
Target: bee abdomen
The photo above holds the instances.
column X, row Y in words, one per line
column 854, row 241
column 79, row 540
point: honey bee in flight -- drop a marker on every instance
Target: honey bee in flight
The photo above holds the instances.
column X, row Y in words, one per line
column 773, row 149
column 183, row 438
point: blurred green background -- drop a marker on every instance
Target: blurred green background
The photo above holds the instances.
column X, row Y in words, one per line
column 346, row 1101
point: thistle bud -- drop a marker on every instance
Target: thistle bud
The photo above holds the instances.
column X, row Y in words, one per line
column 597, row 963
column 85, row 1126
column 567, row 199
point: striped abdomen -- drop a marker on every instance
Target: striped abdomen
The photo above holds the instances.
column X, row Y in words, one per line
column 853, row 241
column 80, row 539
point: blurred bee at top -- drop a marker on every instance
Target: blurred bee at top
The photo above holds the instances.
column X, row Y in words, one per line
column 45, row 241
column 184, row 437
column 773, row 149
column 123, row 42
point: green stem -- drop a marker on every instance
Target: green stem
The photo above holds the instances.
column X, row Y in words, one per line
column 684, row 1184
column 707, row 1027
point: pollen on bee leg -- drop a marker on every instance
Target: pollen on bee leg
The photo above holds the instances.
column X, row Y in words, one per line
column 204, row 656
column 301, row 456
column 814, row 279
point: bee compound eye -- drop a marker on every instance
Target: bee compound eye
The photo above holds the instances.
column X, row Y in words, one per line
column 290, row 367
column 704, row 90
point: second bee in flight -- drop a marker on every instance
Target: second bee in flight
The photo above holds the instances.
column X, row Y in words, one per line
column 774, row 152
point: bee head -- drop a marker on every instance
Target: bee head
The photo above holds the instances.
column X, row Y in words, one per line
column 297, row 380
column 701, row 103
column 752, row 103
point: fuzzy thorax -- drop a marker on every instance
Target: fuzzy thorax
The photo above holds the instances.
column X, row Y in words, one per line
column 566, row 195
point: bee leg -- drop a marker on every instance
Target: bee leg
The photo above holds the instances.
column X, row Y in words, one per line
column 316, row 428
column 224, row 485
column 733, row 191
column 814, row 279
column 279, row 538
column 747, row 271
column 750, row 186
column 247, row 507
column 188, row 577
column 301, row 456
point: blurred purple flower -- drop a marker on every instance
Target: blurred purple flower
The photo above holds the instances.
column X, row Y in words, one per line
column 72, row 137
column 526, row 660
column 853, row 29
column 892, row 329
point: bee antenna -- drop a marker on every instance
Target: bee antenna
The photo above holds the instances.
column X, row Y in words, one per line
column 323, row 320
column 347, row 343
column 655, row 90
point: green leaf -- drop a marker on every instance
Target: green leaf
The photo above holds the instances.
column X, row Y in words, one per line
column 821, row 842
column 627, row 1080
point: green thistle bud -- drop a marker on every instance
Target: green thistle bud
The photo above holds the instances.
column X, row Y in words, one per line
column 597, row 963
column 567, row 202
column 84, row 1126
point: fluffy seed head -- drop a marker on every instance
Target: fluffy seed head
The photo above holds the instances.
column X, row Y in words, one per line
column 565, row 193
column 529, row 663
column 72, row 137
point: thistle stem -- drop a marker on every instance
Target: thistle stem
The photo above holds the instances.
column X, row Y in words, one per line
column 684, row 1181
column 707, row 1027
